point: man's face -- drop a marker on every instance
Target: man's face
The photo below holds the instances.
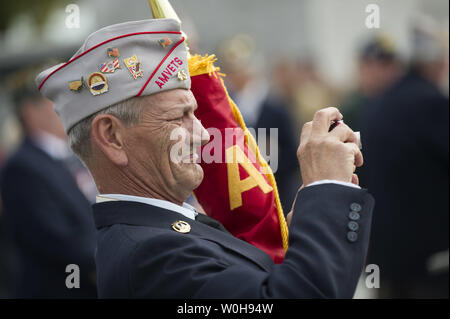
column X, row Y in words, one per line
column 150, row 144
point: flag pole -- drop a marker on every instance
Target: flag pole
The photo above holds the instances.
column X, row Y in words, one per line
column 162, row 9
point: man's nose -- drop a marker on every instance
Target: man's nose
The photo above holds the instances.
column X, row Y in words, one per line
column 205, row 136
column 200, row 134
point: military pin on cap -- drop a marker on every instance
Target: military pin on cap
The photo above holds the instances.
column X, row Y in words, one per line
column 182, row 76
column 181, row 226
column 110, row 66
column 113, row 52
column 97, row 83
column 134, row 66
column 165, row 42
column 76, row 85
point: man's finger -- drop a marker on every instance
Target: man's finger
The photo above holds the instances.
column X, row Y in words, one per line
column 344, row 134
column 359, row 160
column 306, row 132
column 355, row 179
column 323, row 118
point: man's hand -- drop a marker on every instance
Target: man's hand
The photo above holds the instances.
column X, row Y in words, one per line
column 328, row 155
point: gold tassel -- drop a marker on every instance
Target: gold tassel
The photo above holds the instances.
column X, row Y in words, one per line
column 199, row 65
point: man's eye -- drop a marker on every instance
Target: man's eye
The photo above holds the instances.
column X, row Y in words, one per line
column 181, row 117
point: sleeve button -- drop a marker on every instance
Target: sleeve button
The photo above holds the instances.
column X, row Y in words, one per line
column 353, row 215
column 352, row 236
column 353, row 226
column 355, row 207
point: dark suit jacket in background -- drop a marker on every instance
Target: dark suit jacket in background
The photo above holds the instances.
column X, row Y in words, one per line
column 51, row 226
column 406, row 152
column 275, row 114
column 140, row 256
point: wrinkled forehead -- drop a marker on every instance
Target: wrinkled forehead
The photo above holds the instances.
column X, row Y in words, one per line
column 172, row 99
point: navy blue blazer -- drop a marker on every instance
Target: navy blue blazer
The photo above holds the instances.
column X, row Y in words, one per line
column 139, row 255
column 51, row 226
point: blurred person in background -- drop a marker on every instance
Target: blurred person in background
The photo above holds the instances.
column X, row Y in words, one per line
column 260, row 108
column 312, row 92
column 378, row 68
column 406, row 144
column 298, row 81
column 287, row 80
column 46, row 213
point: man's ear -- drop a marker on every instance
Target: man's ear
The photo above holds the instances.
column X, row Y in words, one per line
column 107, row 134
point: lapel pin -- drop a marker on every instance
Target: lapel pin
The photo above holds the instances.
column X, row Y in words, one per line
column 113, row 52
column 181, row 226
column 134, row 66
column 76, row 85
column 110, row 66
column 98, row 84
column 182, row 76
column 165, row 42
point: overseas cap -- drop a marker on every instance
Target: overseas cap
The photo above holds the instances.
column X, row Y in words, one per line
column 114, row 64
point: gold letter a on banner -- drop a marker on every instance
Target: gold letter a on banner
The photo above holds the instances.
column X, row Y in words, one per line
column 236, row 186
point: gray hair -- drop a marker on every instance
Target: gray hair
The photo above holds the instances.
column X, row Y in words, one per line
column 128, row 111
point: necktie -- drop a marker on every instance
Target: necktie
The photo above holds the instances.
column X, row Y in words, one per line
column 201, row 218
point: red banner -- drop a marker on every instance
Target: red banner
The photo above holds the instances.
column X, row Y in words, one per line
column 238, row 188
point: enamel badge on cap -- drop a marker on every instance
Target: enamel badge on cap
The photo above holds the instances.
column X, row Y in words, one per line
column 182, row 76
column 76, row 85
column 134, row 66
column 165, row 42
column 113, row 52
column 97, row 83
column 110, row 66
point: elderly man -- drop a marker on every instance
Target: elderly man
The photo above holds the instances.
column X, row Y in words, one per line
column 153, row 245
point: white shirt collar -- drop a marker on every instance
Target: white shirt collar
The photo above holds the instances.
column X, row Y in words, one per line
column 55, row 147
column 185, row 210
